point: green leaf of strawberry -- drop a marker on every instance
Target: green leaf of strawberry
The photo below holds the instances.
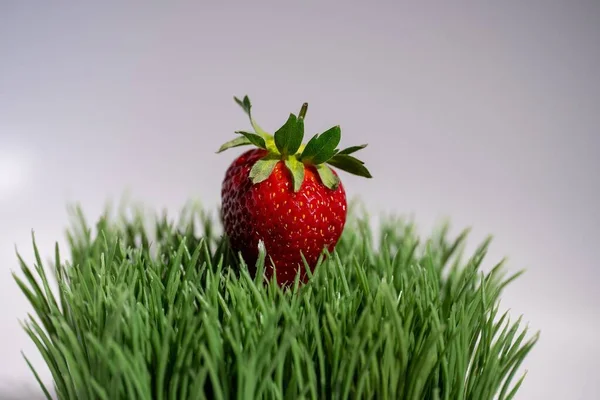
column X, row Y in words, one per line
column 296, row 168
column 350, row 164
column 322, row 147
column 288, row 138
column 262, row 169
column 247, row 106
column 352, row 149
column 253, row 138
column 329, row 179
column 240, row 141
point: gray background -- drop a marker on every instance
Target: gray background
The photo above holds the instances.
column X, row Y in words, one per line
column 487, row 114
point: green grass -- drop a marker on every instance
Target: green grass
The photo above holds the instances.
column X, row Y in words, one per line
column 153, row 308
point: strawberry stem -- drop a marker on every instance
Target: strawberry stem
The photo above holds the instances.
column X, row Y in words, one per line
column 303, row 110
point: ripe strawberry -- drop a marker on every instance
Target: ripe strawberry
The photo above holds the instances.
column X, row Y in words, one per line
column 284, row 194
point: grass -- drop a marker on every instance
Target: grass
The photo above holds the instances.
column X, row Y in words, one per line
column 154, row 308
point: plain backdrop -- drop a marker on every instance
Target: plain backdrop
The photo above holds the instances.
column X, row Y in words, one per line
column 487, row 114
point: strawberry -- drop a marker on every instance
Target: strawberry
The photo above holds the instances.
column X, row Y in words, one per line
column 283, row 193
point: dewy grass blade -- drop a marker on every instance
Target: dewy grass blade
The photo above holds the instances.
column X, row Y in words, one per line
column 167, row 312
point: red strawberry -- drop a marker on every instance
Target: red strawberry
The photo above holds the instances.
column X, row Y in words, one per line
column 284, row 194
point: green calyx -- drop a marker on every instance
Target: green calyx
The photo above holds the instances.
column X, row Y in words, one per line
column 286, row 145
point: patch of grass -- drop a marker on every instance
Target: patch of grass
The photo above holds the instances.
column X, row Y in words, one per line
column 151, row 308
